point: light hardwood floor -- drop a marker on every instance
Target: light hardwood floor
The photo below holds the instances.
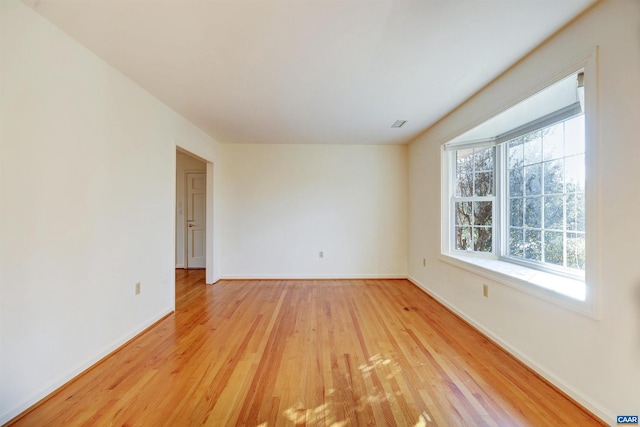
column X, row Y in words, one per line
column 306, row 352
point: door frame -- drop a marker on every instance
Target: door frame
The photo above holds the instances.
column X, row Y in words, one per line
column 204, row 154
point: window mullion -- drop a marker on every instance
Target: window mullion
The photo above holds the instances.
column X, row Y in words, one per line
column 499, row 228
column 452, row 191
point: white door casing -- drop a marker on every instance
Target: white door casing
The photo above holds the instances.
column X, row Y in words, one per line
column 196, row 219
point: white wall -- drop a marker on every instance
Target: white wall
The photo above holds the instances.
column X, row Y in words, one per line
column 184, row 163
column 283, row 204
column 87, row 183
column 596, row 361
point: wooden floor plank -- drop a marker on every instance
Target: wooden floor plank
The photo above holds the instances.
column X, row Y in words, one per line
column 307, row 353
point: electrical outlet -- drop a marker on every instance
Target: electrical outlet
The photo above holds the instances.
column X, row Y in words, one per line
column 137, row 288
column 485, row 290
column 321, row 254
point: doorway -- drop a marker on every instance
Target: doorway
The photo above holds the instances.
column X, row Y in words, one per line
column 191, row 224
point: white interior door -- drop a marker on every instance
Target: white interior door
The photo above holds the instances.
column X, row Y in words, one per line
column 196, row 219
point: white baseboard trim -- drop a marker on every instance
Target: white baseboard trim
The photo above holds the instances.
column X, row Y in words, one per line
column 315, row 277
column 179, row 265
column 81, row 368
column 595, row 408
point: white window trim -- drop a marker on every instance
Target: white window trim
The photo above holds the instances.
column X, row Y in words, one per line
column 531, row 280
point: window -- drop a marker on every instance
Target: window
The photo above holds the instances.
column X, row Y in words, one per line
column 473, row 199
column 545, row 176
column 514, row 192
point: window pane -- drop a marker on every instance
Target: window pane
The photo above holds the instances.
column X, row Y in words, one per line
column 464, row 173
column 574, row 172
column 463, row 213
column 464, row 185
column 516, row 242
column 482, row 213
column 484, row 184
column 463, row 238
column 516, row 212
column 533, row 180
column 575, row 251
column 553, row 247
column 554, row 177
column 553, row 142
column 483, row 159
column 482, row 239
column 575, row 212
column 554, row 212
column 516, row 153
column 574, row 136
column 533, row 212
column 532, row 148
column 516, row 182
column 580, row 212
column 533, row 245
column 463, row 159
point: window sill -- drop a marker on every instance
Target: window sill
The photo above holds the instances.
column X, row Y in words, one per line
column 564, row 291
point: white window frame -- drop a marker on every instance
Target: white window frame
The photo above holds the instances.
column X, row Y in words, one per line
column 557, row 117
column 541, row 281
column 454, row 199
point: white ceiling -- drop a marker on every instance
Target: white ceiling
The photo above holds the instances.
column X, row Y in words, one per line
column 311, row 71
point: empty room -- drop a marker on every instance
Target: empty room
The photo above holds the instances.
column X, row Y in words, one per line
column 320, row 213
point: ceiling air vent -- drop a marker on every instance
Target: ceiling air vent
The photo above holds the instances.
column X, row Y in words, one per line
column 398, row 123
